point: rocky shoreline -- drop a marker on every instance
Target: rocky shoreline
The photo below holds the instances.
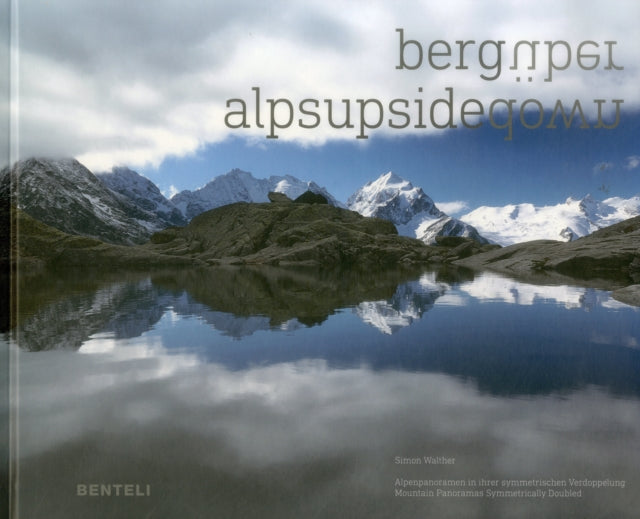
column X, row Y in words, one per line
column 608, row 259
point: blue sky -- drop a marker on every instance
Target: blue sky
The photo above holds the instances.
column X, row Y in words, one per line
column 476, row 166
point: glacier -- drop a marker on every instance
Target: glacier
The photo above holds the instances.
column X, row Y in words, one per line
column 516, row 223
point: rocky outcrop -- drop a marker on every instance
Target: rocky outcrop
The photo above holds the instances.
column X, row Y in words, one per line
column 629, row 295
column 309, row 197
column 293, row 233
column 278, row 197
column 611, row 254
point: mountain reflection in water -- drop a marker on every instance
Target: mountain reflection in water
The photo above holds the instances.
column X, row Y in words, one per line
column 510, row 337
column 272, row 393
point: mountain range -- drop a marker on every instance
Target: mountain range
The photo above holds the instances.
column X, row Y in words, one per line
column 123, row 207
column 517, row 223
column 241, row 186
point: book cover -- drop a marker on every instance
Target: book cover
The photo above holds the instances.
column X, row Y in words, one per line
column 321, row 259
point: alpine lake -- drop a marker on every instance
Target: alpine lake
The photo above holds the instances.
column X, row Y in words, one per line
column 289, row 393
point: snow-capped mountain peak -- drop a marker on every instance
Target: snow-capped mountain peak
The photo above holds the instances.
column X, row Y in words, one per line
column 390, row 181
column 66, row 195
column 413, row 212
column 392, row 198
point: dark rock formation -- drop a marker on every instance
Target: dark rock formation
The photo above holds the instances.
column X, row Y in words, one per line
column 312, row 234
column 309, row 197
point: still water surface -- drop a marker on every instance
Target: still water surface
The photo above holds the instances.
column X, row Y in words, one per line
column 265, row 393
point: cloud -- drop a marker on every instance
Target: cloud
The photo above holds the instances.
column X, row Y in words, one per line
column 632, row 162
column 454, row 207
column 117, row 82
column 168, row 193
column 601, row 167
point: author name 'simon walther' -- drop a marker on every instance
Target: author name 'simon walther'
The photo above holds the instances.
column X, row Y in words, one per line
column 424, row 460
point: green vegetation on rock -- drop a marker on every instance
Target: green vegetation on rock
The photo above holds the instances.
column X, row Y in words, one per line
column 39, row 245
column 289, row 233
